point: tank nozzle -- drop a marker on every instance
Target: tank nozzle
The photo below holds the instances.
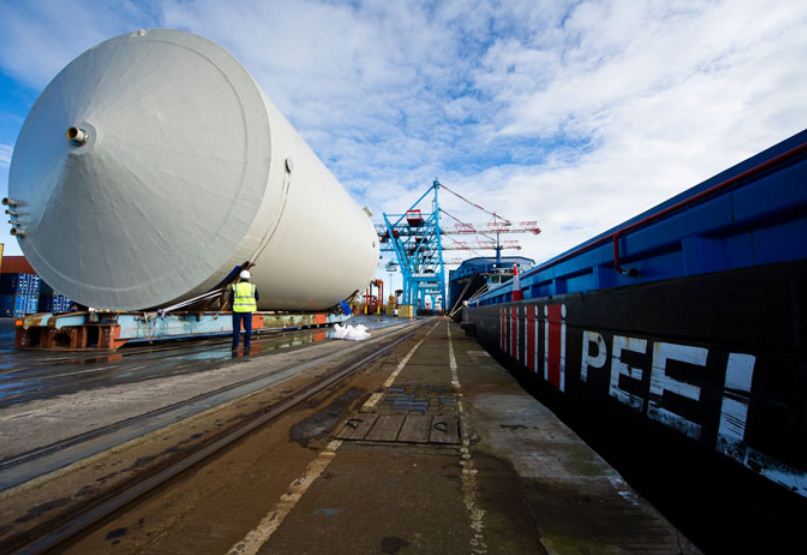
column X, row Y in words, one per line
column 77, row 136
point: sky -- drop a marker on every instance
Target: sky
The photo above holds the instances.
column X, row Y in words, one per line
column 576, row 114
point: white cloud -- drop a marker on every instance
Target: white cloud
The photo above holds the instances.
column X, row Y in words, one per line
column 5, row 155
column 669, row 96
column 577, row 114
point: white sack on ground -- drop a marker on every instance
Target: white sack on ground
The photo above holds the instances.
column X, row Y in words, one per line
column 350, row 333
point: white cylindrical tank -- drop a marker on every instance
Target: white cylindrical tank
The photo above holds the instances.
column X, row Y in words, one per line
column 153, row 165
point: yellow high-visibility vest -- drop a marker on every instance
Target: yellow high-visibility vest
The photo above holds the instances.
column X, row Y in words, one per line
column 244, row 297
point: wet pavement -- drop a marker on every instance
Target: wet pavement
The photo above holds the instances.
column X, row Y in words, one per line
column 79, row 418
column 501, row 475
column 31, row 375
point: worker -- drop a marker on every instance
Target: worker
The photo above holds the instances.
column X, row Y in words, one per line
column 244, row 300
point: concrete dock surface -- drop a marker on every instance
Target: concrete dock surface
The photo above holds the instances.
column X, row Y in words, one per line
column 517, row 480
column 434, row 449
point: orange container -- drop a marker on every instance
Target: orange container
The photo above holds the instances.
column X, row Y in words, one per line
column 16, row 265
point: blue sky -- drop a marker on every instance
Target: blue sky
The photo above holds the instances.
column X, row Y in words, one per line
column 576, row 114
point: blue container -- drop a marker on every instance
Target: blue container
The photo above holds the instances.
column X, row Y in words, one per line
column 55, row 304
column 6, row 306
column 60, row 304
column 34, row 285
column 20, row 284
column 8, row 284
column 20, row 305
column 31, row 304
column 45, row 303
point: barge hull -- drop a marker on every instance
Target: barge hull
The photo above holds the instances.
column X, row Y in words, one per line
column 719, row 358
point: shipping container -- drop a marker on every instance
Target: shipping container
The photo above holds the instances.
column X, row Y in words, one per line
column 16, row 265
column 7, row 306
column 20, row 284
column 23, row 292
column 54, row 303
column 21, row 305
column 62, row 304
column 46, row 290
column 31, row 304
column 8, row 284
column 20, row 293
column 45, row 303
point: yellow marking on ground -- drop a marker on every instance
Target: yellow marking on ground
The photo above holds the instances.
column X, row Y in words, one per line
column 272, row 521
column 469, row 487
column 256, row 538
column 376, row 397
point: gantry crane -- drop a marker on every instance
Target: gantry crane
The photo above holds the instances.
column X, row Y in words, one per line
column 416, row 237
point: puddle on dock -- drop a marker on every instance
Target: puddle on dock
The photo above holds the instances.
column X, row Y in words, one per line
column 28, row 375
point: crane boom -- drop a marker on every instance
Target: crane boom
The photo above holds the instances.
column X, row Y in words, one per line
column 416, row 236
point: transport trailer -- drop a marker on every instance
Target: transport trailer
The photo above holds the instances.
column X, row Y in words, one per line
column 109, row 331
column 690, row 316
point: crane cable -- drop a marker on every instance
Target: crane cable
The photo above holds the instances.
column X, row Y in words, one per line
column 485, row 210
column 465, row 223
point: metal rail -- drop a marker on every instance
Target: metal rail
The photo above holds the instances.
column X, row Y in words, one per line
column 35, row 461
column 126, row 495
column 172, row 348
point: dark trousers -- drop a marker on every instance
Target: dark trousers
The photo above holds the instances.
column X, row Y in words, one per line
column 239, row 317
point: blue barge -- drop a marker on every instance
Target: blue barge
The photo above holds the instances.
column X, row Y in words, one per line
column 690, row 316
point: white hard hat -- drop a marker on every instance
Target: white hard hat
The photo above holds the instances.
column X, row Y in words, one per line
column 244, row 274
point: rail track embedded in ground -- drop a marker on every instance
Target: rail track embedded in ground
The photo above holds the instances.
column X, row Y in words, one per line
column 107, row 504
column 26, row 466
